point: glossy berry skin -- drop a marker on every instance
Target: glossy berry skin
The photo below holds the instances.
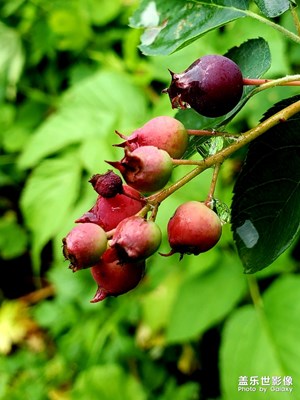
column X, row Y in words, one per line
column 193, row 229
column 84, row 245
column 212, row 86
column 114, row 278
column 136, row 238
column 163, row 132
column 109, row 212
column 146, row 169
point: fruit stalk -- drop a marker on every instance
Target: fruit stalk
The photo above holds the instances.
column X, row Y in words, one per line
column 290, row 80
column 213, row 184
column 220, row 156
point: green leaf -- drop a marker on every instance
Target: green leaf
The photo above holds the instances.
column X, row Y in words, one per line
column 273, row 8
column 171, row 25
column 266, row 202
column 254, row 59
column 93, row 108
column 107, row 382
column 205, row 299
column 264, row 343
column 47, row 198
column 101, row 13
column 11, row 61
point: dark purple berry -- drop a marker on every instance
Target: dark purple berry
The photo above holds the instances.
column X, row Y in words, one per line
column 212, row 86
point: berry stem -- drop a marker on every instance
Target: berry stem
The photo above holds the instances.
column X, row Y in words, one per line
column 290, row 80
column 220, row 156
column 213, row 184
column 185, row 162
column 288, row 34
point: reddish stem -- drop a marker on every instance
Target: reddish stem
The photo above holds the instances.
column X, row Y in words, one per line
column 257, row 82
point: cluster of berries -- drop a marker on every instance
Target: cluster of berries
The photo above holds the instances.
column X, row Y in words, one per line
column 115, row 237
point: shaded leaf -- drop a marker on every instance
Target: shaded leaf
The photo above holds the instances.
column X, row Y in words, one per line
column 47, row 198
column 266, row 202
column 176, row 23
column 263, row 344
column 204, row 300
column 273, row 8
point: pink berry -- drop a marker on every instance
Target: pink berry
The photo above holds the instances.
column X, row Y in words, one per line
column 84, row 245
column 164, row 132
column 193, row 229
column 136, row 238
column 146, row 169
column 113, row 277
column 108, row 212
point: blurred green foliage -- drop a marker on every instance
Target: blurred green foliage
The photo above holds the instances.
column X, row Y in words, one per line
column 70, row 75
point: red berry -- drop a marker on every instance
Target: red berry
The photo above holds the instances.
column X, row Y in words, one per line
column 146, row 169
column 108, row 184
column 212, row 86
column 109, row 212
column 114, row 278
column 164, row 132
column 136, row 238
column 84, row 245
column 193, row 229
